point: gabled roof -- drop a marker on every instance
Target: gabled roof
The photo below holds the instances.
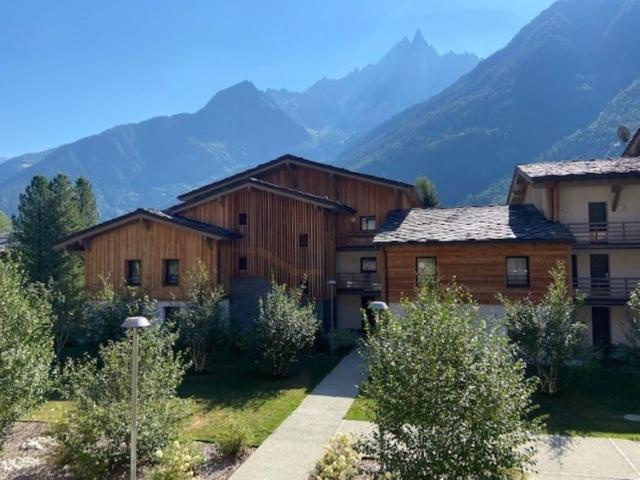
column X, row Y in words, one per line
column 500, row 223
column 602, row 168
column 294, row 160
column 243, row 183
column 206, row 229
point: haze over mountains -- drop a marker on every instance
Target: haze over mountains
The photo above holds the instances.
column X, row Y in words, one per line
column 558, row 90
column 151, row 162
column 555, row 77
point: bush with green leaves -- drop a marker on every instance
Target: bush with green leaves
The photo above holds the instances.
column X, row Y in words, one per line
column 450, row 396
column 203, row 324
column 632, row 330
column 548, row 333
column 285, row 327
column 342, row 340
column 94, row 438
column 340, row 460
column 233, row 438
column 177, row 461
column 26, row 343
column 106, row 309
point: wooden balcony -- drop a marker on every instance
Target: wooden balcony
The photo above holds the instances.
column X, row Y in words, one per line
column 358, row 282
column 614, row 291
column 606, row 234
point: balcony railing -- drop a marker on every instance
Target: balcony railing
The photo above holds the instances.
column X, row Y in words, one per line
column 359, row 239
column 369, row 282
column 606, row 233
column 606, row 289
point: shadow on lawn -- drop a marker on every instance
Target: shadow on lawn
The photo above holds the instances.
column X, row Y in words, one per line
column 237, row 382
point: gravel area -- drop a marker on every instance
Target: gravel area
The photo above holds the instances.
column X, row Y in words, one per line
column 27, row 454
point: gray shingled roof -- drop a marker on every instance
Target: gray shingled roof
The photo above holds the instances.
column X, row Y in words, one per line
column 582, row 169
column 518, row 223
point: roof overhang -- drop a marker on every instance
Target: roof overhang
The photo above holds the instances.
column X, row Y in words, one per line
column 293, row 160
column 253, row 183
column 79, row 240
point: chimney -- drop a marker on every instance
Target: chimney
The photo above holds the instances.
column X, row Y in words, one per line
column 633, row 147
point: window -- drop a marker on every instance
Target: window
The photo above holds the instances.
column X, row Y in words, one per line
column 367, row 224
column 242, row 263
column 171, row 272
column 133, row 270
column 426, row 269
column 242, row 219
column 517, row 271
column 574, row 270
column 369, row 265
column 303, row 240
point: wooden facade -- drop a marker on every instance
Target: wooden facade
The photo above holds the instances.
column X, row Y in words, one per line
column 150, row 242
column 271, row 238
column 367, row 197
column 480, row 267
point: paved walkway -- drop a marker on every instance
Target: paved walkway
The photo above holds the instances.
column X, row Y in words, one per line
column 291, row 452
column 567, row 458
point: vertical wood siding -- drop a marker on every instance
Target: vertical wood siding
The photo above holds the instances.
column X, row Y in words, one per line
column 480, row 267
column 152, row 243
column 270, row 240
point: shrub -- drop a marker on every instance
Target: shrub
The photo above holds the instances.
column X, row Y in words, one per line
column 203, row 324
column 26, row 343
column 234, row 439
column 632, row 331
column 285, row 327
column 106, row 309
column 547, row 333
column 177, row 461
column 340, row 460
column 95, row 436
column 450, row 397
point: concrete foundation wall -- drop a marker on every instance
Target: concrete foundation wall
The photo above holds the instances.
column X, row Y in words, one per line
column 348, row 312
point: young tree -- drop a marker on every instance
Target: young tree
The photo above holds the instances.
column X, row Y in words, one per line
column 106, row 309
column 285, row 327
column 427, row 193
column 95, row 436
column 202, row 324
column 450, row 396
column 26, row 343
column 547, row 333
column 632, row 332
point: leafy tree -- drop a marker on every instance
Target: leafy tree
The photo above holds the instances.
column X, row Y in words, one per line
column 5, row 223
column 547, row 333
column 285, row 327
column 427, row 193
column 94, row 437
column 203, row 324
column 632, row 332
column 106, row 309
column 47, row 212
column 26, row 343
column 451, row 399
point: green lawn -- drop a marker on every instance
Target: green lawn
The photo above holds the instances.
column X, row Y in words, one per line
column 591, row 402
column 235, row 393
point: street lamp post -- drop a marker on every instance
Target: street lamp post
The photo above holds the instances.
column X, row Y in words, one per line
column 332, row 286
column 134, row 323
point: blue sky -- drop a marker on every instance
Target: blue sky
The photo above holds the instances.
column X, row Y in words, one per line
column 72, row 68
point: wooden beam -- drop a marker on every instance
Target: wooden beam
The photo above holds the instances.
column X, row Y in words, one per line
column 616, row 190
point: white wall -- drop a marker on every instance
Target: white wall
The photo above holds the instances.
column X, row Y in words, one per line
column 575, row 199
column 622, row 263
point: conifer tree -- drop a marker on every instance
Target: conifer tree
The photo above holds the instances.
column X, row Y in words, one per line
column 427, row 193
column 86, row 203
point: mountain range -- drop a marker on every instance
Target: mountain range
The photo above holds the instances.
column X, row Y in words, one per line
column 149, row 163
column 539, row 97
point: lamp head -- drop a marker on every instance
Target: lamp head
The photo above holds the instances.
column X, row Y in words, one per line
column 378, row 306
column 135, row 322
